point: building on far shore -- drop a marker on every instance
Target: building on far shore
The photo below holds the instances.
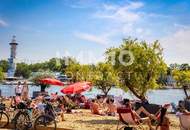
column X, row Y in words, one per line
column 12, row 59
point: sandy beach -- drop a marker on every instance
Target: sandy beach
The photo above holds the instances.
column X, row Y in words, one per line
column 83, row 119
column 87, row 121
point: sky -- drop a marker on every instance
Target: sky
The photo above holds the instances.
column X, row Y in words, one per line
column 85, row 28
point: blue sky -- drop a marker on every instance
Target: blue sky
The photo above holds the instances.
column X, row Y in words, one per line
column 85, row 28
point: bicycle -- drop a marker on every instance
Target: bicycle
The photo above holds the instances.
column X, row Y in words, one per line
column 22, row 120
column 4, row 118
column 46, row 118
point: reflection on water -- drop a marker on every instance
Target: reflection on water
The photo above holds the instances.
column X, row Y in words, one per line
column 155, row 96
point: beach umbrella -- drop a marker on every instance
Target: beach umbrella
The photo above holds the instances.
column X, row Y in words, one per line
column 51, row 81
column 77, row 88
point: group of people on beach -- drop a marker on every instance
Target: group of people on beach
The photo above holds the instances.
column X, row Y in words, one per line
column 106, row 106
column 101, row 105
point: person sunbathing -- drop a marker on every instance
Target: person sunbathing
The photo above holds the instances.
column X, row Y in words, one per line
column 136, row 118
column 54, row 96
column 95, row 109
column 111, row 107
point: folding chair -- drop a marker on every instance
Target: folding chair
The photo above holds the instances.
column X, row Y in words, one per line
column 130, row 123
column 184, row 122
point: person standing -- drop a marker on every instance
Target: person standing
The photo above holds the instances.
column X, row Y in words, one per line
column 18, row 89
column 25, row 91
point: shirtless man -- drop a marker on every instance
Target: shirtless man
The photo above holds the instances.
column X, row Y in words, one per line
column 111, row 107
column 95, row 109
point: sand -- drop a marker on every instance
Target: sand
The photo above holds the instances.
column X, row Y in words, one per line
column 87, row 121
column 84, row 120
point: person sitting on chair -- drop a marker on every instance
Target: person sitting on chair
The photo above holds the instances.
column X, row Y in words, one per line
column 136, row 118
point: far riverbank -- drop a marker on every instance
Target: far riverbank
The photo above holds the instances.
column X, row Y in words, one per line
column 159, row 96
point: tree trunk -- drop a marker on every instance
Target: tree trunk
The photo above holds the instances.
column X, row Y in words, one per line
column 43, row 87
column 105, row 93
column 131, row 88
column 185, row 91
column 134, row 92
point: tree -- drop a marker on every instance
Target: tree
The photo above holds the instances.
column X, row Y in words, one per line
column 4, row 65
column 1, row 74
column 182, row 77
column 54, row 65
column 36, row 67
column 104, row 77
column 140, row 67
column 72, row 71
column 174, row 66
column 41, row 75
column 85, row 73
column 23, row 70
column 184, row 66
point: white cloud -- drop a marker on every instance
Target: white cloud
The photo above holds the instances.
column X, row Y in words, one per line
column 177, row 46
column 3, row 23
column 92, row 38
column 122, row 14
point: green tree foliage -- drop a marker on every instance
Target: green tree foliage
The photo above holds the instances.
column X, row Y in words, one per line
column 41, row 75
column 23, row 70
column 4, row 65
column 54, row 65
column 78, row 72
column 104, row 77
column 72, row 71
column 36, row 67
column 1, row 74
column 146, row 67
column 182, row 77
column 184, row 66
column 85, row 73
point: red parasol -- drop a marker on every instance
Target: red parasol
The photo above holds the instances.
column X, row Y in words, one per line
column 51, row 81
column 77, row 88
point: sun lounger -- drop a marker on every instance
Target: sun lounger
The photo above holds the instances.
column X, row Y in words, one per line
column 184, row 122
column 151, row 108
column 129, row 122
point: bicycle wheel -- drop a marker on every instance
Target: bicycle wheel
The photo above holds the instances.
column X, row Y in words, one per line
column 22, row 120
column 45, row 121
column 4, row 119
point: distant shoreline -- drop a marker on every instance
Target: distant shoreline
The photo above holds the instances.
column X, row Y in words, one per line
column 31, row 83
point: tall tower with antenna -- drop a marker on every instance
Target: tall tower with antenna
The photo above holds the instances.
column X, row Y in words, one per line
column 12, row 59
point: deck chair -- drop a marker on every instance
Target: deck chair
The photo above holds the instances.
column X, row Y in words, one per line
column 184, row 122
column 130, row 123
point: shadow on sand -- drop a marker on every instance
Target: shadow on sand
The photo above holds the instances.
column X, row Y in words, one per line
column 103, row 122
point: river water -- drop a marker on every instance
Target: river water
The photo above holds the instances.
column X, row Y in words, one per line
column 155, row 96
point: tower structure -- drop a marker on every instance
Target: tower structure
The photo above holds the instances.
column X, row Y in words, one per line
column 12, row 59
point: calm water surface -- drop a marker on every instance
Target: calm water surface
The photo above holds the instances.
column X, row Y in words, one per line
column 154, row 96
